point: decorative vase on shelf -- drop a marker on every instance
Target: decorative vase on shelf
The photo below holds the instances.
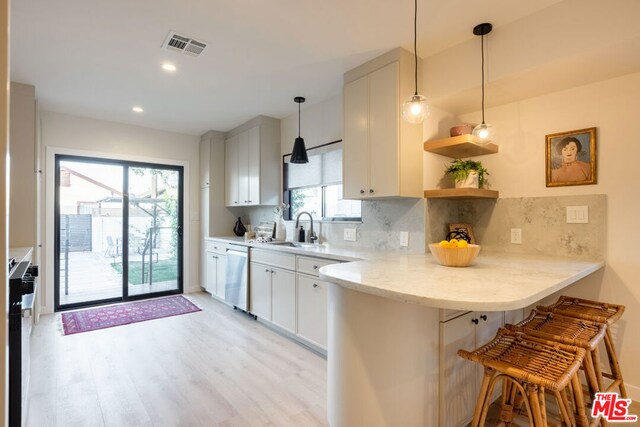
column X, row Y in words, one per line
column 239, row 229
column 281, row 228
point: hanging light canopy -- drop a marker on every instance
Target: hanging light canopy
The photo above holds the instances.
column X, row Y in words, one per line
column 484, row 132
column 299, row 153
column 415, row 109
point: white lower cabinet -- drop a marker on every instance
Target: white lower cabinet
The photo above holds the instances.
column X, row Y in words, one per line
column 273, row 295
column 215, row 267
column 286, row 291
column 260, row 279
column 460, row 379
column 283, row 299
column 221, row 275
column 312, row 310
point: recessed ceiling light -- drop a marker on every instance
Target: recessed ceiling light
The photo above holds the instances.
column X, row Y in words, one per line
column 137, row 109
column 167, row 66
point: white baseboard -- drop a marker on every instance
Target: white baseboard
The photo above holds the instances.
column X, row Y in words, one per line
column 633, row 392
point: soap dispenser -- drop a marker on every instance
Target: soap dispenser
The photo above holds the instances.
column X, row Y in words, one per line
column 301, row 235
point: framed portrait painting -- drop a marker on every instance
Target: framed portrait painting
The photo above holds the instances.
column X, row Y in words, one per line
column 571, row 158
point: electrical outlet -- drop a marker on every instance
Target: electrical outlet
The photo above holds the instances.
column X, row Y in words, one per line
column 350, row 234
column 404, row 238
column 516, row 236
column 577, row 214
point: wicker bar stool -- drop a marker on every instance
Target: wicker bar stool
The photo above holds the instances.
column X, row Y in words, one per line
column 529, row 365
column 603, row 313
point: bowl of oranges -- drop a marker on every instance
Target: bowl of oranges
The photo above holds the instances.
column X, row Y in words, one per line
column 454, row 252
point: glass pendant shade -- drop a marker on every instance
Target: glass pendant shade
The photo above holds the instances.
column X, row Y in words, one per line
column 415, row 109
column 483, row 133
column 299, row 153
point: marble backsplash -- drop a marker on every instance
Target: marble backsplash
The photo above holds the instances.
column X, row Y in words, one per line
column 382, row 222
column 542, row 220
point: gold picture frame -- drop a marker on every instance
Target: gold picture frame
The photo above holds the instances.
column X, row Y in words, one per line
column 466, row 228
column 571, row 158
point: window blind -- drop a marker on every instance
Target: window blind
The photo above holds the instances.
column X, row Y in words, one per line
column 324, row 168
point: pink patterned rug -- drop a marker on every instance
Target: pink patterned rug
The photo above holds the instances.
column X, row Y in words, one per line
column 122, row 314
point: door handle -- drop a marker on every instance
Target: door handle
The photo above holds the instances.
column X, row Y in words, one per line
column 361, row 191
column 315, row 285
column 483, row 317
column 475, row 321
column 371, row 190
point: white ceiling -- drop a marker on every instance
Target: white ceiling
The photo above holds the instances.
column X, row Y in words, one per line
column 99, row 58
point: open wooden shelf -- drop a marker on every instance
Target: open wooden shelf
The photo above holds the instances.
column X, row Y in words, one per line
column 458, row 147
column 461, row 193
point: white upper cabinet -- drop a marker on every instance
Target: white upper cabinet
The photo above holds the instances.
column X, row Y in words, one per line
column 382, row 153
column 252, row 165
column 205, row 163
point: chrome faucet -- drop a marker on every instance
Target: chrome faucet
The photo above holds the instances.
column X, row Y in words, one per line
column 311, row 236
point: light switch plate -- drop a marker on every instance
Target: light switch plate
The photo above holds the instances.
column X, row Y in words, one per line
column 350, row 234
column 577, row 214
column 404, row 238
column 516, row 236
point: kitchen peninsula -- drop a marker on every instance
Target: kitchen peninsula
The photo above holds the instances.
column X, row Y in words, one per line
column 387, row 356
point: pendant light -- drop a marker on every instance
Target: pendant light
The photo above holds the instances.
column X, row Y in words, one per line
column 299, row 153
column 484, row 132
column 415, row 109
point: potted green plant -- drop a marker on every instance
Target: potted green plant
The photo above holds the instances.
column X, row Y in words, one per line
column 467, row 173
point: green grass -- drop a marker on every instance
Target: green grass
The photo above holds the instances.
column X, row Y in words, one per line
column 163, row 271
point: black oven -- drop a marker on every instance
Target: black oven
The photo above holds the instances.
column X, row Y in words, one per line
column 22, row 282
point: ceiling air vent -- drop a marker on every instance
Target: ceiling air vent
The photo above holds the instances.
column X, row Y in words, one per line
column 179, row 43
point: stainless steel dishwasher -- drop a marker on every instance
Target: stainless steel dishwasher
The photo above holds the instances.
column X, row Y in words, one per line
column 236, row 287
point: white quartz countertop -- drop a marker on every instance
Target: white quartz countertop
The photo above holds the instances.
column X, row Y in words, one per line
column 494, row 282
column 319, row 251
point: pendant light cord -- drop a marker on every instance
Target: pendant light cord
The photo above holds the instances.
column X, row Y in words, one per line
column 299, row 119
column 415, row 42
column 482, row 47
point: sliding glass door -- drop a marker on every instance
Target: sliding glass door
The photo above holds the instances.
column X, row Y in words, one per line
column 118, row 228
column 154, row 230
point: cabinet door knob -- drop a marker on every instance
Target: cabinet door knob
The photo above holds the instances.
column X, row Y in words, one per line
column 371, row 190
column 273, row 272
column 250, row 201
column 483, row 317
column 361, row 191
column 315, row 267
column 236, row 202
column 266, row 270
column 315, row 285
column 475, row 321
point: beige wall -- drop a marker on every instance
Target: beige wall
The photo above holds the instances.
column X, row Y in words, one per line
column 4, row 213
column 518, row 170
column 319, row 124
column 61, row 133
column 22, row 205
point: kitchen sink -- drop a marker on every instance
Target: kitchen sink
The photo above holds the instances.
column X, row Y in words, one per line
column 295, row 244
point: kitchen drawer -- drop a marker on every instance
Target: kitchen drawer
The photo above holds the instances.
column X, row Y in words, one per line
column 274, row 258
column 311, row 266
column 446, row 315
column 216, row 246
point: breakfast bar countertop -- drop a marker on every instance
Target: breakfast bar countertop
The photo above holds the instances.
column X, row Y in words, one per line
column 494, row 282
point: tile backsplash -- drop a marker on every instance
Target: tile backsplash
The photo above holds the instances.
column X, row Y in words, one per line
column 382, row 222
column 541, row 219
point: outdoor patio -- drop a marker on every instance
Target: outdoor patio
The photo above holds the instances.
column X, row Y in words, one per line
column 92, row 277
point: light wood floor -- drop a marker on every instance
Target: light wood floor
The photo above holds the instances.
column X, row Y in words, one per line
column 212, row 368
